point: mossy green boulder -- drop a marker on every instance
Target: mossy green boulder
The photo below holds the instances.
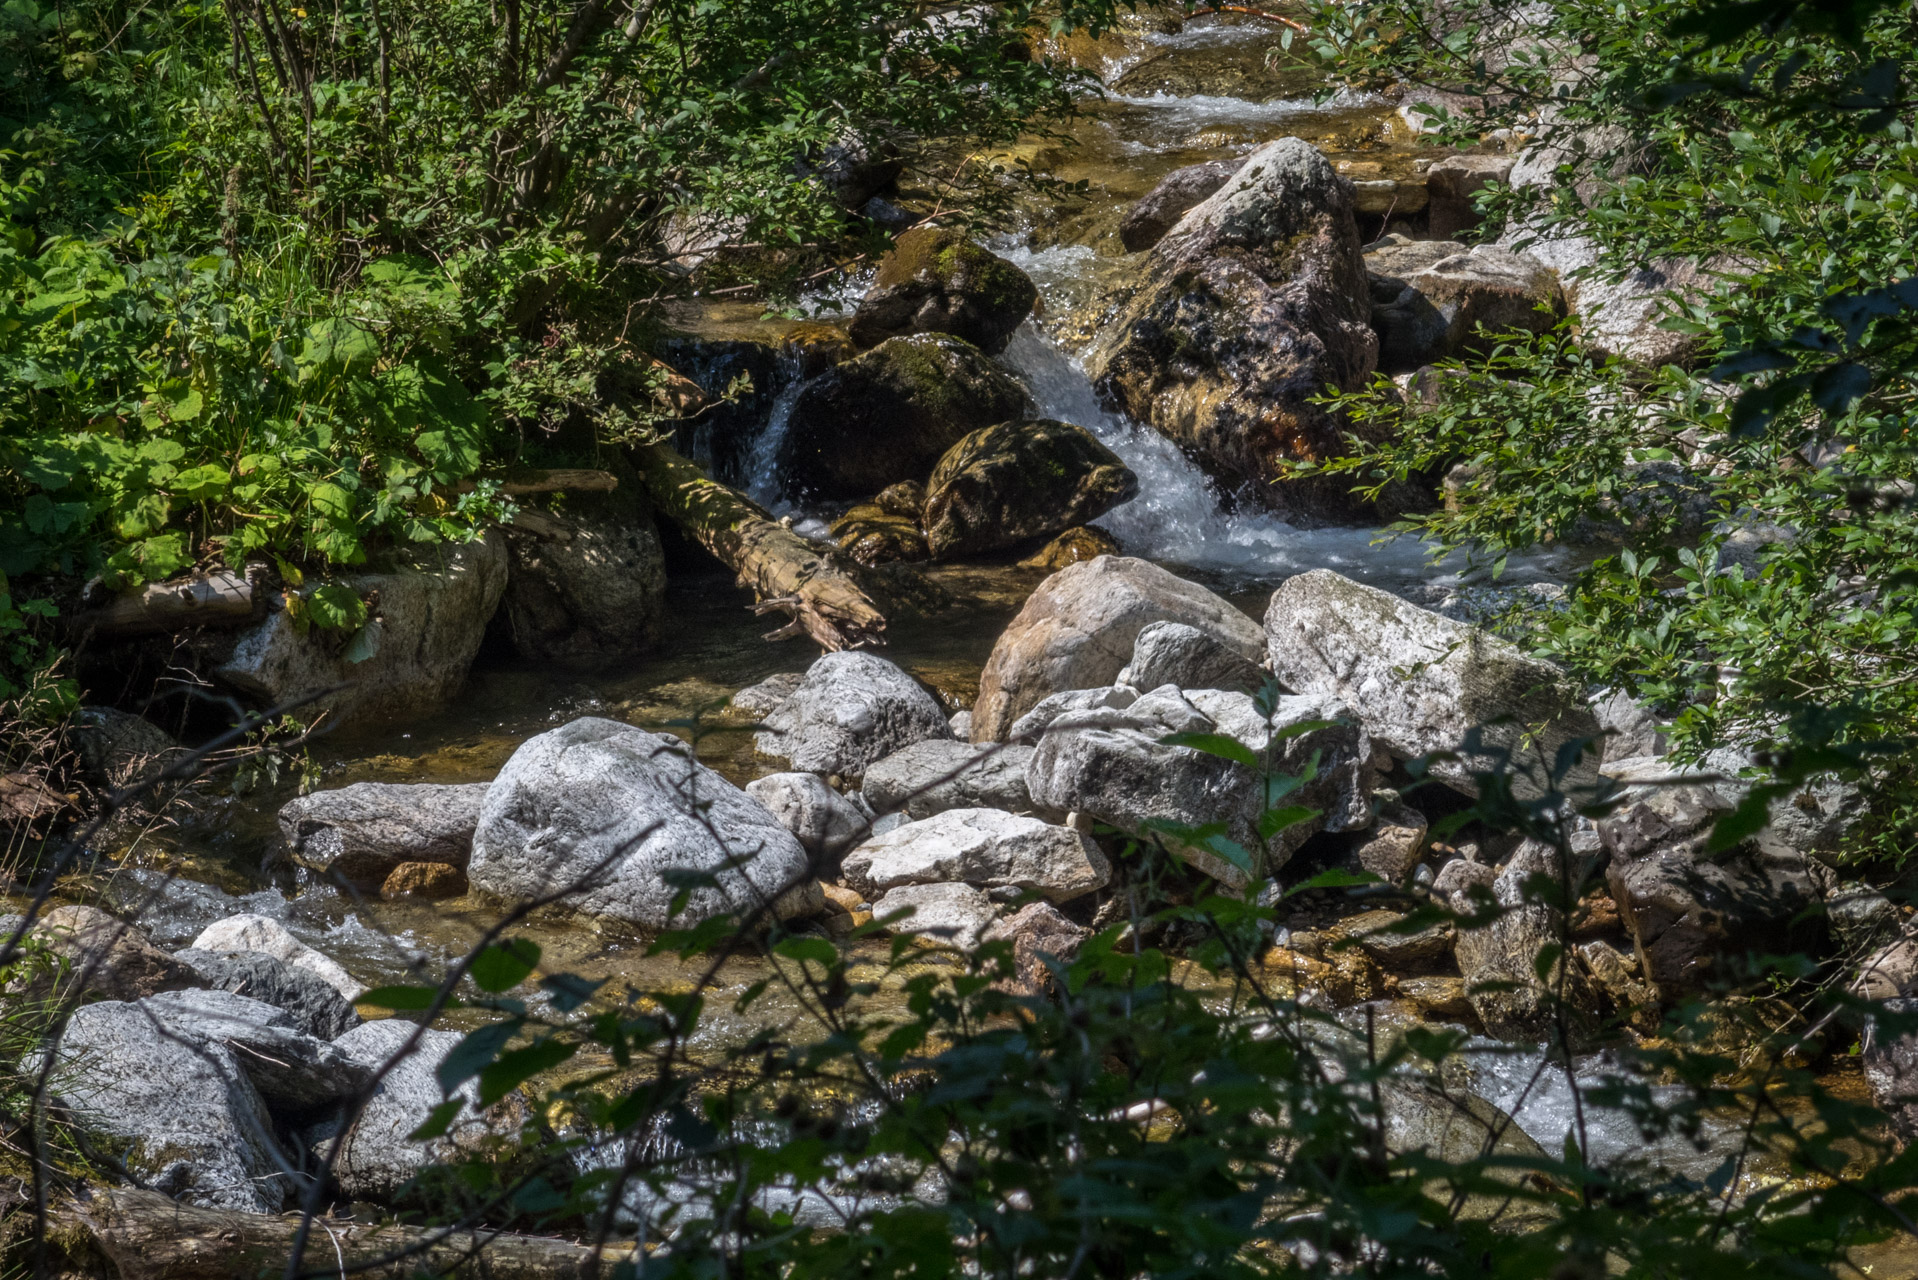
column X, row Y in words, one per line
column 1019, row 481
column 937, row 281
column 873, row 536
column 890, row 414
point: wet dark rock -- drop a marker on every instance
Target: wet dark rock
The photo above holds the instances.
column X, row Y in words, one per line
column 1246, row 311
column 119, row 750
column 1040, row 937
column 850, row 710
column 1160, row 209
column 1077, row 631
column 936, row 281
column 890, row 415
column 1431, row 298
column 907, row 500
column 873, row 536
column 309, row 1000
column 609, row 816
column 583, row 589
column 1018, row 481
column 1420, row 682
column 359, row 834
column 1174, row 653
column 1499, row 959
column 1073, row 547
column 933, row 776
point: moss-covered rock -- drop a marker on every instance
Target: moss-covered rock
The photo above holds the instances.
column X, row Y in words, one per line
column 890, row 414
column 872, row 535
column 937, row 281
column 1074, row 545
column 1018, row 481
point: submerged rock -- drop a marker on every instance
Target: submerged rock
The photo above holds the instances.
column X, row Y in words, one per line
column 1018, row 481
column 583, row 588
column 359, row 834
column 1247, row 310
column 936, row 281
column 1419, row 682
column 851, row 709
column 1071, row 547
column 612, row 819
column 933, row 776
column 426, row 625
column 1078, row 629
column 983, row 847
column 888, row 415
column 1431, row 298
column 431, row 881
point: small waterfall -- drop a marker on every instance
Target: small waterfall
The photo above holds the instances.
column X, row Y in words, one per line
column 763, row 482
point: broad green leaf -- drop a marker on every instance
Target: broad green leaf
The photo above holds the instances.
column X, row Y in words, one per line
column 504, row 965
column 514, row 1068
column 400, row 999
column 1214, row 744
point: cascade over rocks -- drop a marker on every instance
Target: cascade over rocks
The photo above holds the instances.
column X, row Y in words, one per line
column 889, row 414
column 1430, row 298
column 1419, row 682
column 604, row 815
column 1078, row 628
column 423, row 631
column 936, row 281
column 1110, row 764
column 851, row 709
column 933, row 776
column 1018, row 481
column 360, row 833
column 583, row 588
column 1248, row 308
column 983, row 847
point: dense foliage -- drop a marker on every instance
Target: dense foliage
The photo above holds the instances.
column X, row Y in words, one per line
column 1755, row 506
column 288, row 283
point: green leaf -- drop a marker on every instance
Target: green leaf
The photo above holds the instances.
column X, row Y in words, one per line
column 331, row 501
column 438, row 1120
column 1335, row 878
column 150, row 560
column 1214, row 744
column 337, row 348
column 364, row 644
column 335, row 606
column 568, row 991
column 516, row 1067
column 817, row 950
column 401, row 999
column 475, row 1053
column 201, row 483
column 1273, row 821
column 504, row 965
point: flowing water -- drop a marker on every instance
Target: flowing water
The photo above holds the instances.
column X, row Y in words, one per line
column 1219, row 88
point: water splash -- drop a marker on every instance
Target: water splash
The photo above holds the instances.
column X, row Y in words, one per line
column 764, row 484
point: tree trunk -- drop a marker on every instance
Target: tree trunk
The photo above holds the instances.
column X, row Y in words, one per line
column 784, row 569
column 146, row 1236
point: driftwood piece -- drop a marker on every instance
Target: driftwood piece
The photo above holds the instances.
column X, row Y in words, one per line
column 146, row 1236
column 785, row 570
column 221, row 598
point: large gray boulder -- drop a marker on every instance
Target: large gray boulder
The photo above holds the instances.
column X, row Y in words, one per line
column 293, row 1070
column 933, row 776
column 1174, row 653
column 982, row 847
column 1431, row 298
column 1078, row 629
column 1243, row 314
column 583, row 588
column 120, row 750
column 1111, row 764
column 430, row 616
column 1891, row 1069
column 851, row 709
column 1622, row 317
column 1419, row 682
column 358, row 834
column 378, row 1156
column 824, row 821
column 106, row 955
column 312, row 1002
column 1159, row 210
column 952, row 914
column 612, row 819
column 181, row 1112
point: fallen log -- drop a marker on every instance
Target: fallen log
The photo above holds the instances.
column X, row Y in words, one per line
column 785, row 571
column 146, row 1236
column 218, row 598
column 572, row 479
